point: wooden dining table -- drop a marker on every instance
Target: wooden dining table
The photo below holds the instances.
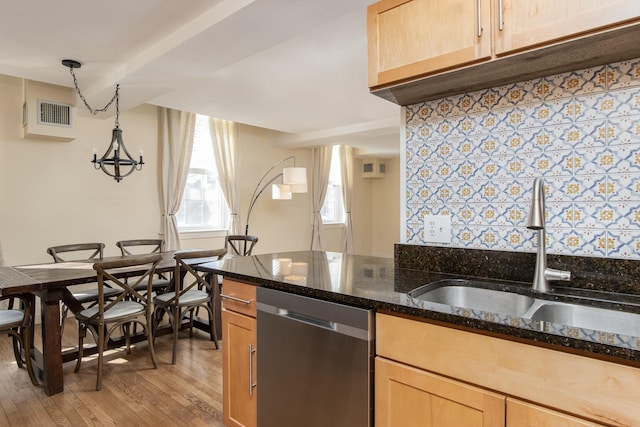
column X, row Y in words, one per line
column 50, row 282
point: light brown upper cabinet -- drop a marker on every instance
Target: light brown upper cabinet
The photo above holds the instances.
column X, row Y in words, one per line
column 428, row 49
column 529, row 24
column 408, row 38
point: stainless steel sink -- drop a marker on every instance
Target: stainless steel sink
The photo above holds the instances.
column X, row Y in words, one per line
column 482, row 296
column 461, row 293
column 582, row 316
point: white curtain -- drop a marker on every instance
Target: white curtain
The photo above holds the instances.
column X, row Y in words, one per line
column 321, row 168
column 346, row 161
column 175, row 142
column 224, row 136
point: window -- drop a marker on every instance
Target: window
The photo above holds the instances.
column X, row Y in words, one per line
column 203, row 206
column 333, row 209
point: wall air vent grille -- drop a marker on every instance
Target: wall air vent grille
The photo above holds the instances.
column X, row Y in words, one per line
column 54, row 113
column 373, row 168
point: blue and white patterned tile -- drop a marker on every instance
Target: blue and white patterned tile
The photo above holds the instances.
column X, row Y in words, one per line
column 497, row 214
column 592, row 188
column 474, row 214
column 548, row 113
column 464, row 103
column 587, row 161
column 624, row 74
column 595, row 215
column 544, row 88
column 515, row 214
column 501, row 141
column 623, row 187
column 596, row 107
column 586, row 81
column 623, row 244
column 489, row 238
column 555, row 188
column 518, row 239
column 484, row 176
column 626, row 102
column 626, row 159
column 517, row 192
column 560, row 214
column 540, row 164
column 622, row 130
column 583, row 136
column 512, row 120
column 627, row 216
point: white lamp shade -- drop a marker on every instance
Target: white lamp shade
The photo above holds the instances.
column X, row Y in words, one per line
column 296, row 177
column 281, row 192
column 299, row 188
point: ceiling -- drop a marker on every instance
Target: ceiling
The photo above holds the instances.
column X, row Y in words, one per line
column 296, row 67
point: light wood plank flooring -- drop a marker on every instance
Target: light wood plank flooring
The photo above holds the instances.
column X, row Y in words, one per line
column 133, row 393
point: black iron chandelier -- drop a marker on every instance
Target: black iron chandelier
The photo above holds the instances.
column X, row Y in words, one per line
column 116, row 161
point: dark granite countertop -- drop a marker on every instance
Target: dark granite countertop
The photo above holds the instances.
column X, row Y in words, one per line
column 383, row 284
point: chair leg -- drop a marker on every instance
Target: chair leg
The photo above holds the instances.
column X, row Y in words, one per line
column 101, row 345
column 150, row 336
column 26, row 340
column 17, row 348
column 177, row 320
column 82, row 332
column 191, row 310
column 212, row 327
column 65, row 313
column 127, row 335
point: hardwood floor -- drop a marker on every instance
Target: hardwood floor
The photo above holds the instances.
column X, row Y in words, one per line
column 133, row 393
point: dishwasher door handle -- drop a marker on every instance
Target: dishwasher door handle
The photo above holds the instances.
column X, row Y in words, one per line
column 329, row 325
column 325, row 324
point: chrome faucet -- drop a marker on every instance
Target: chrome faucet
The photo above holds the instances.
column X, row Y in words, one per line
column 542, row 274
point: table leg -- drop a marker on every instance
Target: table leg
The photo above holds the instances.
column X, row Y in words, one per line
column 51, row 342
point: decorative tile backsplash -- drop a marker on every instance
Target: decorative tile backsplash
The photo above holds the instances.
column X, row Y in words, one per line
column 475, row 156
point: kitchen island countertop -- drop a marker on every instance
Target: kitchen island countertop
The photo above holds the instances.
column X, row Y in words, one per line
column 375, row 283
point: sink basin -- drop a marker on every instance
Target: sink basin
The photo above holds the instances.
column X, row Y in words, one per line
column 581, row 316
column 483, row 296
column 463, row 293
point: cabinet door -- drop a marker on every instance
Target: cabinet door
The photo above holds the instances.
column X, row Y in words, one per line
column 528, row 24
column 525, row 414
column 406, row 396
column 239, row 369
column 411, row 38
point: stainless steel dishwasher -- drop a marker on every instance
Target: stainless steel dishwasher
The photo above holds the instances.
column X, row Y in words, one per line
column 315, row 362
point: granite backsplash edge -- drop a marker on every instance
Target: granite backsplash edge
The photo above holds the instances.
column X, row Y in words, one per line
column 588, row 273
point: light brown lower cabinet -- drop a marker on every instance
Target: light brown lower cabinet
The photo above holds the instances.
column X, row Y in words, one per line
column 407, row 397
column 434, row 375
column 521, row 414
column 239, row 367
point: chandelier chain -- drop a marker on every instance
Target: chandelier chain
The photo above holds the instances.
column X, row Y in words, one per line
column 106, row 107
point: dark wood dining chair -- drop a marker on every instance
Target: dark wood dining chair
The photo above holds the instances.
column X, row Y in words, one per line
column 105, row 317
column 81, row 252
column 17, row 322
column 192, row 290
column 238, row 244
column 145, row 247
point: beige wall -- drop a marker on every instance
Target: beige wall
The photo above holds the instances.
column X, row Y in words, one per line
column 50, row 194
column 375, row 213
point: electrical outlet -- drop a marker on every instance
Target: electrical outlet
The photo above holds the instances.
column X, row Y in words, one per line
column 437, row 228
